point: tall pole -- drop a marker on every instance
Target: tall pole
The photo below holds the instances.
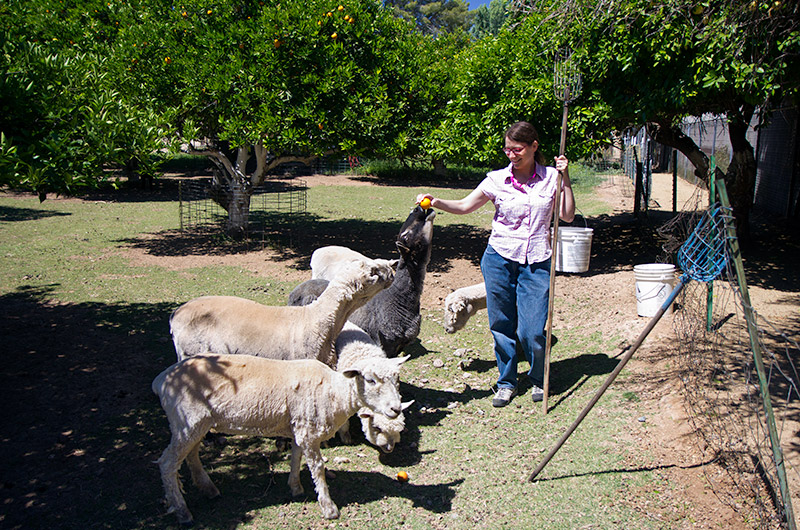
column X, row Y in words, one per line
column 553, row 259
column 777, row 453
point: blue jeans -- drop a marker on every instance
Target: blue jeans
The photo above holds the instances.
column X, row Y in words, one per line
column 517, row 301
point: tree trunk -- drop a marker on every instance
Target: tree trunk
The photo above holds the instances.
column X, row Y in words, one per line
column 439, row 167
column 238, row 209
column 232, row 190
column 741, row 176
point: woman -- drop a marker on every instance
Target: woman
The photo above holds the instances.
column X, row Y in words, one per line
column 516, row 263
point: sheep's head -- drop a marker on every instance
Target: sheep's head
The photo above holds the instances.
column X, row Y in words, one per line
column 381, row 431
column 416, row 235
column 364, row 278
column 457, row 311
column 377, row 382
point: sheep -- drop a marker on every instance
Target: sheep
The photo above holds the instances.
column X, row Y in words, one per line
column 327, row 261
column 392, row 317
column 461, row 304
column 353, row 345
column 307, row 292
column 304, row 400
column 230, row 325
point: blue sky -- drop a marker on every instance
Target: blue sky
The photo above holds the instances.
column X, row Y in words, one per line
column 475, row 4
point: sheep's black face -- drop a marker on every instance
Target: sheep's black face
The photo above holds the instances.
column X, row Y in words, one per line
column 416, row 235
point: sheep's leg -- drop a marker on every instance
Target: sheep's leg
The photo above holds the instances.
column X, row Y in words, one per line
column 294, row 471
column 169, row 463
column 199, row 475
column 317, row 468
column 344, row 433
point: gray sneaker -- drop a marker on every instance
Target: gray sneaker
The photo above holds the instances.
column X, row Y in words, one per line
column 503, row 397
column 537, row 394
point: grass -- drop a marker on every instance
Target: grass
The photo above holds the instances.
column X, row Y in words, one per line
column 85, row 331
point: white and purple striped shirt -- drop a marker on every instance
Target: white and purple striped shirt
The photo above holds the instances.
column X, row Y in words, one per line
column 521, row 224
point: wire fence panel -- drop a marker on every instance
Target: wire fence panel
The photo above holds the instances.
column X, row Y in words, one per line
column 199, row 211
column 715, row 360
column 637, row 150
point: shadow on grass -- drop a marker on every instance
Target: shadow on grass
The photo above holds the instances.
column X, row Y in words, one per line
column 625, row 471
column 10, row 214
column 81, row 427
column 248, row 481
column 619, row 241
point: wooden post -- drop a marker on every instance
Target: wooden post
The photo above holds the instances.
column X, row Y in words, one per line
column 638, row 189
column 674, row 180
column 553, row 259
column 712, row 196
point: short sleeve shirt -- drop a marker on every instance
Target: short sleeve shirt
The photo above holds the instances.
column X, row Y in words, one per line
column 522, row 217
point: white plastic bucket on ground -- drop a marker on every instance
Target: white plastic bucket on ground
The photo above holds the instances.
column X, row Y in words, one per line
column 654, row 283
column 574, row 249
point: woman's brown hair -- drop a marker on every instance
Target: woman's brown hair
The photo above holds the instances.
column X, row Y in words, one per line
column 525, row 133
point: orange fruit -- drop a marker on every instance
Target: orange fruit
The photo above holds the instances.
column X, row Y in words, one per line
column 425, row 203
column 334, row 35
column 402, row 476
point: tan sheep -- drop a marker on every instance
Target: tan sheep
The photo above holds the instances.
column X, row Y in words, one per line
column 232, row 325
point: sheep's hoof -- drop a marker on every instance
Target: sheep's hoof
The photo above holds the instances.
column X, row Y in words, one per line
column 330, row 512
column 184, row 518
column 210, row 491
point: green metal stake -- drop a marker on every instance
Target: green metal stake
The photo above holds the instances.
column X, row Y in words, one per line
column 710, row 285
column 777, row 453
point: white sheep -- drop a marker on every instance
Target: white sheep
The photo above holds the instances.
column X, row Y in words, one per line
column 326, row 262
column 461, row 304
column 353, row 345
column 392, row 317
column 230, row 325
column 237, row 394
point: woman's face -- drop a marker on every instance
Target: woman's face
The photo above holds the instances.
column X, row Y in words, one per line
column 520, row 154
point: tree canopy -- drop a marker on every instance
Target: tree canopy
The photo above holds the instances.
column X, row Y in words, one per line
column 653, row 64
column 90, row 85
column 432, row 17
column 63, row 116
column 489, row 20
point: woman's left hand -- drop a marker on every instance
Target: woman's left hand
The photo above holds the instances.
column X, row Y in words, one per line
column 562, row 163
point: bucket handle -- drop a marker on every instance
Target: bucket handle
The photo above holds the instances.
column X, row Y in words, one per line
column 585, row 224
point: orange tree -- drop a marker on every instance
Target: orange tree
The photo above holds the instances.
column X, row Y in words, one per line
column 499, row 80
column 654, row 63
column 63, row 117
column 254, row 84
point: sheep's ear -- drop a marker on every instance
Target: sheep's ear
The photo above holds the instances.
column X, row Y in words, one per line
column 351, row 373
column 469, row 308
column 393, row 263
column 406, row 404
column 365, row 414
